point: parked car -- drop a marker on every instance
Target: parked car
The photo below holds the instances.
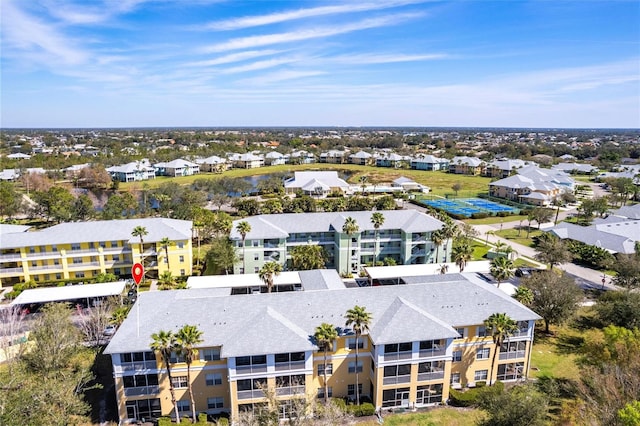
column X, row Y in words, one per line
column 109, row 330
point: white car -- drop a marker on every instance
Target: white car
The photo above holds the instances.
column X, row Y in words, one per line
column 109, row 330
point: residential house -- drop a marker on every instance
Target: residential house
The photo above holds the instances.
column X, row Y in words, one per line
column 132, row 172
column 425, row 336
column 246, row 161
column 405, row 237
column 532, row 185
column 504, row 168
column 361, row 158
column 213, row 164
column 429, row 163
column 175, row 168
column 577, row 168
column 300, row 157
column 274, row 158
column 333, row 157
column 391, row 159
column 77, row 250
column 466, row 166
column 317, row 184
column 409, row 185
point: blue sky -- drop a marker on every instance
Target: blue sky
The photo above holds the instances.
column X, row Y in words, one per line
column 137, row 63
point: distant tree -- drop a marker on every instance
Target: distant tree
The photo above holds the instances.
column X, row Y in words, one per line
column 268, row 272
column 456, row 187
column 555, row 297
column 502, row 269
column 386, row 202
column 221, row 257
column 377, row 220
column 105, row 277
column 308, row 257
column 619, row 308
column 627, row 267
column 542, row 215
column 10, row 200
column 82, row 208
column 521, row 405
column 56, row 203
column 363, row 182
column 94, row 176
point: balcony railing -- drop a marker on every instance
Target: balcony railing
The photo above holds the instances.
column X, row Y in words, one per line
column 426, row 353
column 396, row 380
column 520, row 333
column 83, row 265
column 296, row 365
column 291, row 390
column 250, row 394
column 250, row 369
column 48, row 267
column 7, row 271
column 142, row 390
column 434, row 375
column 512, row 355
column 397, row 356
column 135, row 367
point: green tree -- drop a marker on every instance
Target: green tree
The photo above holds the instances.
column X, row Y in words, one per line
column 502, row 269
column 542, row 215
column 164, row 343
column 166, row 280
column 555, row 297
column 358, row 319
column 521, row 405
column 552, row 251
column 10, row 199
column 165, row 242
column 243, row 229
column 629, row 415
column 627, row 267
column 620, row 308
column 377, row 220
column 502, row 326
column 268, row 272
column 105, row 277
column 462, row 253
column 187, row 338
column 82, row 208
column 308, row 257
column 437, row 238
column 350, row 227
column 325, row 334
column 56, row 203
column 140, row 231
column 456, row 187
column 363, row 182
column 523, row 295
column 221, row 257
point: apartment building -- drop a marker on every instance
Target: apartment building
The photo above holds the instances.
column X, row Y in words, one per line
column 426, row 335
column 405, row 236
column 77, row 250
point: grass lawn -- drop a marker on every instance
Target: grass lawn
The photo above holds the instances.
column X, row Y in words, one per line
column 439, row 182
column 512, row 235
column 441, row 416
column 479, row 251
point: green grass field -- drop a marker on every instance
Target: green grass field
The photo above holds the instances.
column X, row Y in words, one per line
column 439, row 182
column 441, row 416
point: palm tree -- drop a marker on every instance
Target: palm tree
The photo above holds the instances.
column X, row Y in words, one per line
column 502, row 326
column 187, row 338
column 243, row 229
column 523, row 295
column 358, row 318
column 377, row 219
column 363, row 182
column 268, row 271
column 325, row 335
column 165, row 242
column 437, row 238
column 462, row 253
column 165, row 343
column 140, row 231
column 350, row 227
column 502, row 269
column 165, row 280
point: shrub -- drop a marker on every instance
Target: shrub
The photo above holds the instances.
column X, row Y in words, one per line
column 164, row 421
column 340, row 403
column 365, row 409
column 222, row 421
column 480, row 215
column 471, row 397
column 202, row 418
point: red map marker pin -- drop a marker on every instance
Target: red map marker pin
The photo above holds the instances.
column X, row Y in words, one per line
column 138, row 272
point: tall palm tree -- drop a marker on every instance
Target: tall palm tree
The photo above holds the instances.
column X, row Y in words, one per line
column 437, row 238
column 325, row 335
column 462, row 253
column 350, row 227
column 358, row 318
column 243, row 229
column 165, row 242
column 377, row 219
column 449, row 231
column 186, row 339
column 502, row 326
column 363, row 182
column 140, row 231
column 502, row 269
column 268, row 271
column 164, row 342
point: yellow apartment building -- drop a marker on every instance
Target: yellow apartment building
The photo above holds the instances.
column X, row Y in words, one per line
column 424, row 338
column 78, row 250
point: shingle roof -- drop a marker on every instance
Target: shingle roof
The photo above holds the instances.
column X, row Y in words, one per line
column 617, row 235
column 327, row 178
column 285, row 322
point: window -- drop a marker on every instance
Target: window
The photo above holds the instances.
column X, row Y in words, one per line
column 483, row 353
column 58, row 276
column 32, row 250
column 321, row 392
column 143, row 408
column 395, row 397
column 457, row 356
column 251, row 360
column 351, row 343
column 398, row 347
column 75, row 246
column 482, row 331
column 256, row 269
column 116, row 258
column 34, row 263
column 329, row 369
column 286, row 358
column 397, row 370
column 351, row 389
column 510, row 371
column 462, row 331
column 214, row 379
column 431, row 367
column 182, row 272
column 181, row 258
column 480, row 375
column 176, row 358
column 183, row 406
column 77, row 260
column 352, row 367
column 54, row 248
column 210, row 354
column 79, row 274
column 180, row 245
column 56, row 261
column 179, row 382
column 455, row 378
column 255, row 243
column 429, row 394
column 140, row 380
column 215, row 402
column 256, row 256
column 114, row 244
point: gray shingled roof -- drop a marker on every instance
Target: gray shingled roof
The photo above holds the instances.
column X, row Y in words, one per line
column 618, row 236
column 281, row 225
column 284, row 322
column 103, row 230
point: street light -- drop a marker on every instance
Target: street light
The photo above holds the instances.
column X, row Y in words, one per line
column 604, row 280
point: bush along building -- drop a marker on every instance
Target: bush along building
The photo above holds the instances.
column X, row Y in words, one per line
column 404, row 236
column 420, row 338
column 83, row 250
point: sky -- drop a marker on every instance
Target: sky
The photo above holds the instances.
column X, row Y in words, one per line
column 216, row 63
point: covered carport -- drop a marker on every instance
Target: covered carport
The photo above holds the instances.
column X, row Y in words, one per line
column 85, row 294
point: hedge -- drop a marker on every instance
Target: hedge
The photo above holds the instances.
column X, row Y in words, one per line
column 470, row 397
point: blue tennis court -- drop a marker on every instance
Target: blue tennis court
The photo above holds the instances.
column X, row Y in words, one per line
column 468, row 206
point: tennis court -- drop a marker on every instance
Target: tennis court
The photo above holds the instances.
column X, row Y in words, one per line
column 468, row 206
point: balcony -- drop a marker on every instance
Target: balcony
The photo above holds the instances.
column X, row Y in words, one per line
column 395, row 356
column 8, row 271
column 396, row 380
column 142, row 391
column 521, row 333
column 434, row 375
column 250, row 394
column 415, row 253
column 134, row 367
column 512, row 355
column 250, row 369
column 48, row 268
column 283, row 366
column 83, row 265
column 438, row 351
column 291, row 390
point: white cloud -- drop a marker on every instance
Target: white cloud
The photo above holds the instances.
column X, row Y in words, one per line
column 312, row 33
column 279, row 76
column 273, row 18
column 234, row 57
column 385, row 58
column 260, row 65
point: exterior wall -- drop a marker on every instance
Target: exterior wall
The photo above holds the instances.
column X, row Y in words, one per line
column 49, row 263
